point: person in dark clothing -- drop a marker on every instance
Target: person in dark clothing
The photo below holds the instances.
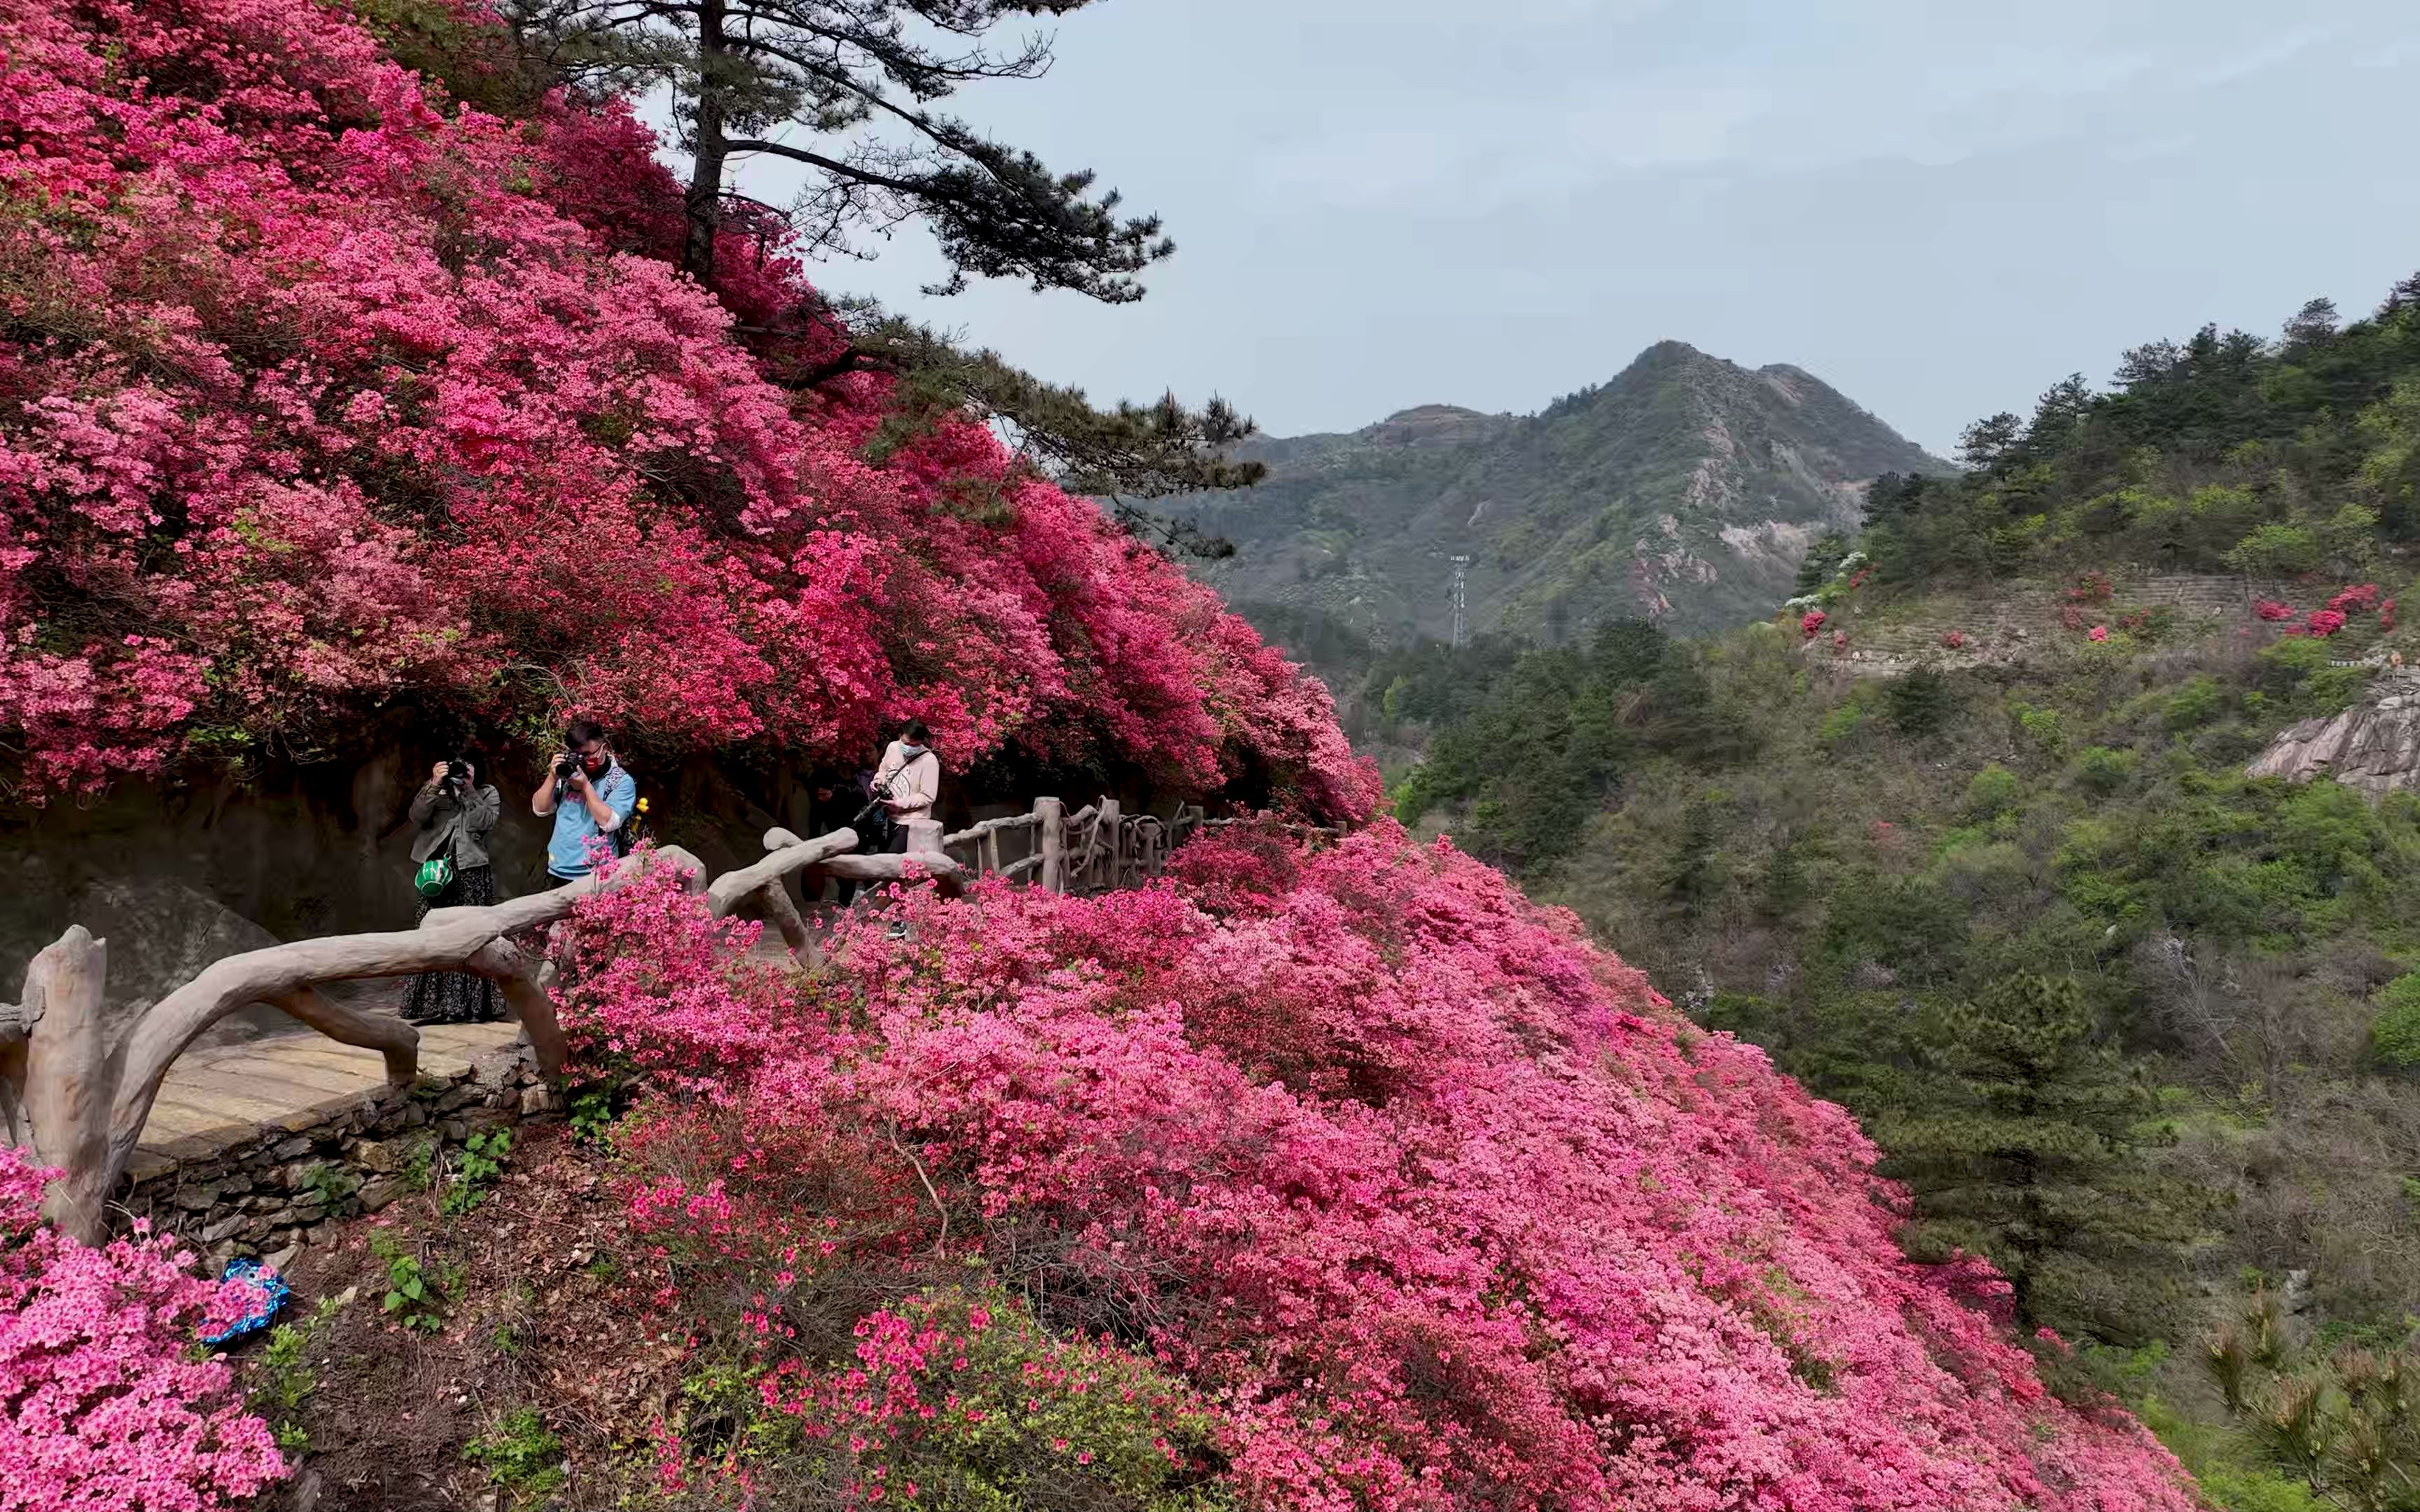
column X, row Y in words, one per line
column 848, row 796
column 453, row 813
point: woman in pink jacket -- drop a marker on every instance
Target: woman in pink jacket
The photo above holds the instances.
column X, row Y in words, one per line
column 913, row 775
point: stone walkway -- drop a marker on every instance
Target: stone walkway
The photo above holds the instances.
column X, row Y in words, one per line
column 216, row 1098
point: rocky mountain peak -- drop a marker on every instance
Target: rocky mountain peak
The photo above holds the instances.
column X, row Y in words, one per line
column 1685, row 488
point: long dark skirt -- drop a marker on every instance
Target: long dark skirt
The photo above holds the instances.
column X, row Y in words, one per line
column 457, row 997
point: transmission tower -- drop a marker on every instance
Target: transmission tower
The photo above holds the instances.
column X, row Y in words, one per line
column 1461, row 596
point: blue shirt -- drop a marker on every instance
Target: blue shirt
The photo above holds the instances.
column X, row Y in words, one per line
column 566, row 853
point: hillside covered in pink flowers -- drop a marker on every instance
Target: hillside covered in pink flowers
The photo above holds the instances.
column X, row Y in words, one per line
column 1405, row 1195
column 320, row 391
column 1304, row 1180
column 1343, row 1180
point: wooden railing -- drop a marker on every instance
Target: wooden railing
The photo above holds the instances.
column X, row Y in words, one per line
column 80, row 1102
column 1098, row 848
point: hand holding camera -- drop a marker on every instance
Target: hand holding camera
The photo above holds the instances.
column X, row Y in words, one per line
column 569, row 774
column 879, row 795
column 453, row 777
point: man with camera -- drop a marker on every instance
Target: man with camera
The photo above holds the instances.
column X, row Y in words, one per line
column 589, row 796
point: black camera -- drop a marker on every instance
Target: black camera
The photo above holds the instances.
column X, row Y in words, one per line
column 457, row 777
column 873, row 809
column 564, row 766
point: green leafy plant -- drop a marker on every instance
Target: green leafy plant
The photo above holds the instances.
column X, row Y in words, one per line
column 281, row 1380
column 520, row 1456
column 2394, row 1032
column 592, row 1113
column 1037, row 1421
column 412, row 1297
column 334, row 1185
column 482, row 1157
column 419, row 1167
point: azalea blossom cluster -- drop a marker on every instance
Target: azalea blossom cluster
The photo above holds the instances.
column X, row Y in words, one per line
column 322, row 391
column 2361, row 598
column 102, row 1400
column 1434, row 1203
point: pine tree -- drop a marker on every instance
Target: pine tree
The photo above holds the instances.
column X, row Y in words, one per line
column 1786, row 887
column 2061, row 408
column 850, row 86
column 2312, row 326
column 1920, row 703
column 2028, row 1150
column 1695, row 877
column 1987, row 444
column 1119, row 455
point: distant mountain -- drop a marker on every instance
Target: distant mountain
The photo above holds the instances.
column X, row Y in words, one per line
column 1687, row 490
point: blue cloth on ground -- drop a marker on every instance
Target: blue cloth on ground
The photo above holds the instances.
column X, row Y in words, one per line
column 269, row 1282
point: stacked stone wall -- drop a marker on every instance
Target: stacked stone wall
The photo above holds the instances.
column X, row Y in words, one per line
column 268, row 1194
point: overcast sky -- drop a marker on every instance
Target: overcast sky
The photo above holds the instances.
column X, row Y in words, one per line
column 1941, row 207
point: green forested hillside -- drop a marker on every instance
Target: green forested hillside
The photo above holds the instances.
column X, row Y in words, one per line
column 2141, row 1028
column 1685, row 489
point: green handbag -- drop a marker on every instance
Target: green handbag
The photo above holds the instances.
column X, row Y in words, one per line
column 435, row 875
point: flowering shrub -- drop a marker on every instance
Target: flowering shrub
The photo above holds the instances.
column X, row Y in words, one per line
column 963, row 1399
column 2271, row 610
column 323, row 390
column 2360, row 599
column 103, row 1400
column 2091, row 587
column 1839, row 642
column 1955, row 639
column 1439, row 1205
column 660, row 989
column 2099, row 632
column 2326, row 621
column 1810, row 624
column 1237, row 868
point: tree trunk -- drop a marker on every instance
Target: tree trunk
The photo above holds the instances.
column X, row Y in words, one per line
column 705, row 198
column 70, row 1080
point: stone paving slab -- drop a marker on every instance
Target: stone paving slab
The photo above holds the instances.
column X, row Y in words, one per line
column 216, row 1098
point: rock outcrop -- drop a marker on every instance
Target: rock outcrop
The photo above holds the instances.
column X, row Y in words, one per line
column 2374, row 746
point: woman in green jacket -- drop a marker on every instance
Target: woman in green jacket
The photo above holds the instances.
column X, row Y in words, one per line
column 453, row 814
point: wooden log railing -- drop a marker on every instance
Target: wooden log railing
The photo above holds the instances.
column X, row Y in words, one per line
column 81, row 1102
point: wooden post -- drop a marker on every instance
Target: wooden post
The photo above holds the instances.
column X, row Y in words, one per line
column 69, row 1083
column 1108, row 855
column 987, row 854
column 1052, row 815
column 775, row 896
